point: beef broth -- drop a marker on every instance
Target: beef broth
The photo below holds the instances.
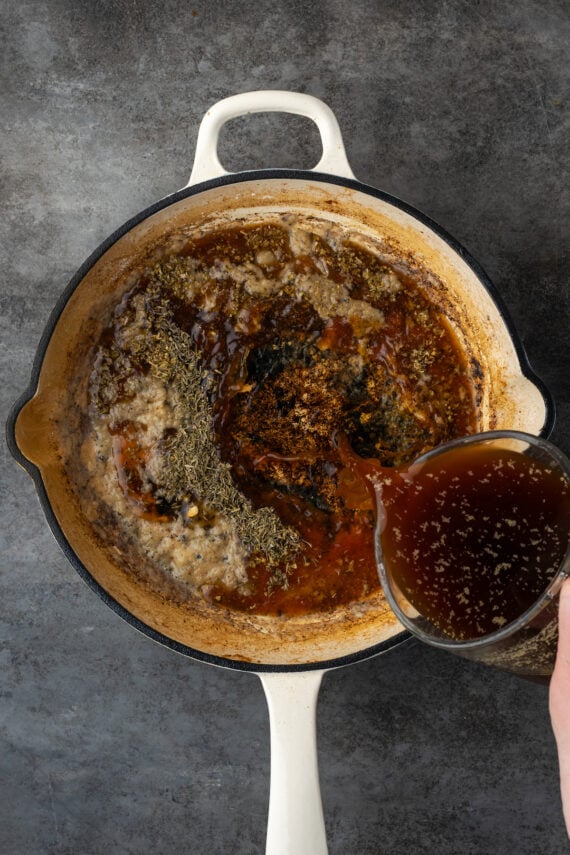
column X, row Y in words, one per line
column 474, row 536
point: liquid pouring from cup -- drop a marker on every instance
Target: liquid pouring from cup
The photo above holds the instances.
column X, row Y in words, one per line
column 473, row 545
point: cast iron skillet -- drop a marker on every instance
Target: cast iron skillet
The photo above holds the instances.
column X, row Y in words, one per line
column 290, row 657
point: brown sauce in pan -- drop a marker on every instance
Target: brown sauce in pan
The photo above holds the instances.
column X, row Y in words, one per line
column 261, row 351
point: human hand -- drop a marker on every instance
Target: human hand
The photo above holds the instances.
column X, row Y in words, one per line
column 560, row 700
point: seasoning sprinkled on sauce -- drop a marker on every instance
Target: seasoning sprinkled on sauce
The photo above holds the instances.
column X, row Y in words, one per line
column 220, row 389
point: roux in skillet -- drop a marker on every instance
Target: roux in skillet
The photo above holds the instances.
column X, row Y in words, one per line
column 220, row 390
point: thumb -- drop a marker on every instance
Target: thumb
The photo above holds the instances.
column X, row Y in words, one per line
column 563, row 657
column 560, row 698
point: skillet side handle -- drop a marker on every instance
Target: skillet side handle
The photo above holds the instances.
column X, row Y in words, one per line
column 206, row 162
column 296, row 823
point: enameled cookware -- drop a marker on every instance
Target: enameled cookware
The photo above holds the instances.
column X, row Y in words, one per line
column 291, row 655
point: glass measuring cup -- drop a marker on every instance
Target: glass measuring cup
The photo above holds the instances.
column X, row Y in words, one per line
column 517, row 561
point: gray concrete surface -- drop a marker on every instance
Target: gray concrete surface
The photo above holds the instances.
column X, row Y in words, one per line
column 110, row 743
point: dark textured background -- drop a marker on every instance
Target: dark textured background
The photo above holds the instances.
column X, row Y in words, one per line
column 110, row 743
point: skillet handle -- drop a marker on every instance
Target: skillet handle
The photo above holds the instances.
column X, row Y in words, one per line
column 296, row 824
column 206, row 163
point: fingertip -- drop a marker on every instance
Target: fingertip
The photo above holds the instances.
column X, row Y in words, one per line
column 565, row 600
